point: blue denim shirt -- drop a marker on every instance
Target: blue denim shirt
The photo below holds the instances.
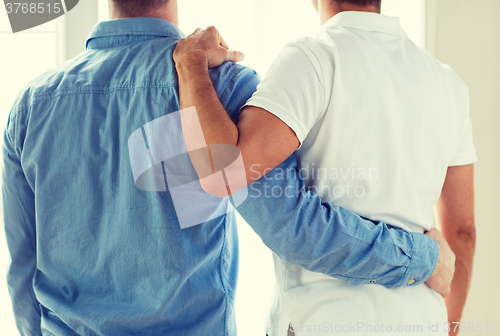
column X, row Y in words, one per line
column 92, row 254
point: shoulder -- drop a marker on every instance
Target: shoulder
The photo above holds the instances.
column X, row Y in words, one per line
column 309, row 47
column 58, row 80
column 444, row 72
column 459, row 83
column 228, row 75
column 234, row 85
column 456, row 89
column 310, row 56
column 38, row 88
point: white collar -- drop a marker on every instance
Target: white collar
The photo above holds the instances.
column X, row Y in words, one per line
column 367, row 21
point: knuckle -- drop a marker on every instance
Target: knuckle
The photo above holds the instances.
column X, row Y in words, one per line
column 212, row 29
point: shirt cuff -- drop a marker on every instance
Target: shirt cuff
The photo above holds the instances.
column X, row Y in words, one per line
column 423, row 260
column 278, row 111
column 465, row 159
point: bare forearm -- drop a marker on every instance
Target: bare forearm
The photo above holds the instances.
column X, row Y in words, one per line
column 455, row 218
column 196, row 89
column 463, row 244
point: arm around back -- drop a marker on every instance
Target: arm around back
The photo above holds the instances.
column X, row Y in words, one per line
column 301, row 229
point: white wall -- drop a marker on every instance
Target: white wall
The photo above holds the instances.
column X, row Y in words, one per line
column 75, row 27
column 467, row 37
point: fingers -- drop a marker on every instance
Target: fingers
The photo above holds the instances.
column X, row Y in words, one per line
column 210, row 47
column 218, row 36
column 442, row 277
column 196, row 31
column 235, row 56
column 228, row 55
column 223, row 55
column 432, row 231
column 212, row 30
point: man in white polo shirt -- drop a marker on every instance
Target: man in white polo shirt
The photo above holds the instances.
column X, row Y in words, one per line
column 382, row 129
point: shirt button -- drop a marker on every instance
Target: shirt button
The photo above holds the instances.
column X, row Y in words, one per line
column 412, row 281
column 373, row 281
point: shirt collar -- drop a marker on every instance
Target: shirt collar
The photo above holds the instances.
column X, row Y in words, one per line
column 367, row 21
column 120, row 31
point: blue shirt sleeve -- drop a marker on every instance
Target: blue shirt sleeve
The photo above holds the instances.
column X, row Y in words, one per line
column 240, row 84
column 19, row 222
column 322, row 237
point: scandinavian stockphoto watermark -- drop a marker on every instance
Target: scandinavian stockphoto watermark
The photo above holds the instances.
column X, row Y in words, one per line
column 26, row 14
column 348, row 181
column 206, row 182
column 163, row 156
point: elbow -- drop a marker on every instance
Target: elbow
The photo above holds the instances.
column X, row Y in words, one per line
column 464, row 232
column 215, row 187
column 229, row 174
column 468, row 231
column 218, row 187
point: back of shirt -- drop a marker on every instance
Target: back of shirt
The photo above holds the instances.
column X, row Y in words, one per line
column 92, row 253
column 380, row 121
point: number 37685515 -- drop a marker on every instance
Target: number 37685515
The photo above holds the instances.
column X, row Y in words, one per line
column 32, row 8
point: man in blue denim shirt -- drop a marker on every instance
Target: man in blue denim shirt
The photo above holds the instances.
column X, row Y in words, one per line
column 92, row 254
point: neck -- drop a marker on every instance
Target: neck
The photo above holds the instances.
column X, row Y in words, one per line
column 167, row 12
column 328, row 9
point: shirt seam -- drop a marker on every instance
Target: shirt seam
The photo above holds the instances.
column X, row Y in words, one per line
column 310, row 54
column 369, row 278
column 227, row 82
column 11, row 126
column 58, row 93
column 407, row 271
column 263, row 103
column 88, row 46
column 135, row 32
column 221, row 257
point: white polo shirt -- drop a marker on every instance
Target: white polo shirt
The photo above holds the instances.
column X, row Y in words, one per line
column 379, row 120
